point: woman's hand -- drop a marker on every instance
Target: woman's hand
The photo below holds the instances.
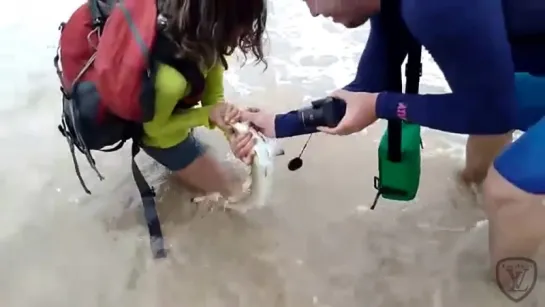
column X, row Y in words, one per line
column 242, row 146
column 224, row 114
column 261, row 121
column 360, row 112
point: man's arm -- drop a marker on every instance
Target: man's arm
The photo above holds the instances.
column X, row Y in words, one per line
column 371, row 74
column 370, row 77
column 469, row 43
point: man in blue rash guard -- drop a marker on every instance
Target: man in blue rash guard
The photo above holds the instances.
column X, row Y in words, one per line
column 492, row 54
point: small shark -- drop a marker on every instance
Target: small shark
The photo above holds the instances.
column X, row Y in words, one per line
column 262, row 170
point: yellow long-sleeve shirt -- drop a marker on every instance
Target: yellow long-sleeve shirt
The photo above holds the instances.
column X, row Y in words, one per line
column 169, row 126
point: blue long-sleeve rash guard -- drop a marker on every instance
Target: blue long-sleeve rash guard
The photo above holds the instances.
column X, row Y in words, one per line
column 469, row 42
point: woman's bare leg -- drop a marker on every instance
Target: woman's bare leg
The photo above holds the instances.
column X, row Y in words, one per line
column 207, row 175
column 195, row 168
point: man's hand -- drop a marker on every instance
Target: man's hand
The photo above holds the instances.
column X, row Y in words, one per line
column 224, row 114
column 262, row 121
column 360, row 112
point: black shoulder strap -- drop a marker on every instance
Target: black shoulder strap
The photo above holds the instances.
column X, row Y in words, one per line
column 413, row 69
column 100, row 10
column 397, row 34
column 529, row 39
column 147, row 194
column 523, row 6
column 164, row 51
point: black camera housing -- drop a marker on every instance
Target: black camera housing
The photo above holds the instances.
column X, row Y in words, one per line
column 326, row 112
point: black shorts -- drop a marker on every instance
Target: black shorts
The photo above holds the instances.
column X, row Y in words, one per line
column 179, row 156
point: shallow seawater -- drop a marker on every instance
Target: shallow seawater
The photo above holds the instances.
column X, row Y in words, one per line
column 315, row 244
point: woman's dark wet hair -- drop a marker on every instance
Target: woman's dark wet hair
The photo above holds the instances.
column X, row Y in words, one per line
column 207, row 30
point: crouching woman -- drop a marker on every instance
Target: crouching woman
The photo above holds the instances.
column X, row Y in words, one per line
column 204, row 32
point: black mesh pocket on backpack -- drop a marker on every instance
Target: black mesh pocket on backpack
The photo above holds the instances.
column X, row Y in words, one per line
column 86, row 127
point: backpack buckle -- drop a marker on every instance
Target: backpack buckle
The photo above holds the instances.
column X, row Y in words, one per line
column 162, row 22
column 98, row 22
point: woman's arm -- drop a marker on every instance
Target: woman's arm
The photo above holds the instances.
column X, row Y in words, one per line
column 214, row 91
column 168, row 126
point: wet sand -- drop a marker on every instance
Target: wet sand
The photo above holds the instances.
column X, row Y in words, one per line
column 315, row 244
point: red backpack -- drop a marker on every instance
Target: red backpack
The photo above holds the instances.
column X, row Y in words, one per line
column 109, row 54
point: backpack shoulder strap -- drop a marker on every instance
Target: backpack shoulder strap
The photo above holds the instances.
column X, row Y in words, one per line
column 100, row 10
column 165, row 50
column 147, row 194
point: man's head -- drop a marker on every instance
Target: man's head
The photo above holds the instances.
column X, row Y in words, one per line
column 350, row 13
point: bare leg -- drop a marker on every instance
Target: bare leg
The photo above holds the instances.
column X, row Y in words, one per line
column 192, row 189
column 480, row 152
column 207, row 175
column 195, row 168
column 516, row 219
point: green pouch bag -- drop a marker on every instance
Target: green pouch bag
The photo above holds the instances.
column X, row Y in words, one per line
column 400, row 146
column 400, row 180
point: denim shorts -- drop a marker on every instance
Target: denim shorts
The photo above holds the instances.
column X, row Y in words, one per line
column 523, row 162
column 179, row 156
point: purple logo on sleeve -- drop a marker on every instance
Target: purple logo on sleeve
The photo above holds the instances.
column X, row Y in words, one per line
column 402, row 111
